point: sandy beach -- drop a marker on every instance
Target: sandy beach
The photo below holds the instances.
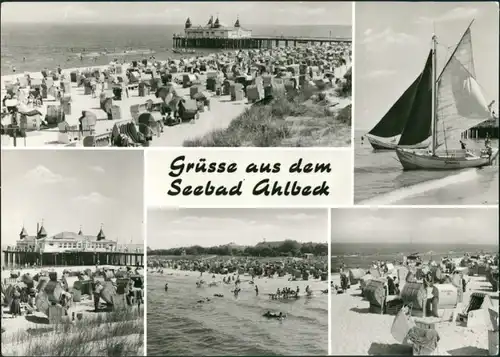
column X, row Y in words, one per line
column 221, row 113
column 97, row 331
column 323, row 118
column 356, row 331
column 425, row 282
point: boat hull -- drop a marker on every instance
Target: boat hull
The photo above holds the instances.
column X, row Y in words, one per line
column 383, row 145
column 412, row 160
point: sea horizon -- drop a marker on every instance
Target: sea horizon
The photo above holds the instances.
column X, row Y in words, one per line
column 10, row 23
column 362, row 255
column 374, row 248
column 78, row 45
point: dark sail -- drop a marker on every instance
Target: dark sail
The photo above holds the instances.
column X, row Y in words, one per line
column 419, row 123
column 394, row 121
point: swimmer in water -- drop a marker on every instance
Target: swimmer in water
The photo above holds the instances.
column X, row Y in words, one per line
column 256, row 290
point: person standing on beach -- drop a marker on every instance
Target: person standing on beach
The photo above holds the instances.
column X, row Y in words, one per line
column 38, row 98
column 15, row 305
column 97, row 295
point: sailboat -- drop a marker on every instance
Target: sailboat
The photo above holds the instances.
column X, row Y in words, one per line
column 457, row 105
column 398, row 127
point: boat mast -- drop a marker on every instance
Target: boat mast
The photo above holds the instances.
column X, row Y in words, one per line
column 433, row 112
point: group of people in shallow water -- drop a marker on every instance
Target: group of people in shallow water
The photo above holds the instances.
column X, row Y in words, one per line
column 275, row 315
column 287, row 293
column 284, row 293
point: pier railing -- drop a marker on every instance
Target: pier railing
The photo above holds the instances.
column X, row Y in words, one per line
column 18, row 258
column 278, row 37
column 254, row 42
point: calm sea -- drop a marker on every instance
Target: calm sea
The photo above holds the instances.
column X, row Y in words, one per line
column 363, row 254
column 47, row 46
column 379, row 175
column 178, row 326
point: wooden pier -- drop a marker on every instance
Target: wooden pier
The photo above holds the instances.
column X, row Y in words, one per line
column 254, row 42
column 480, row 131
column 18, row 259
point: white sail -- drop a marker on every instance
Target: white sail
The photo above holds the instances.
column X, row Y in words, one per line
column 463, row 53
column 460, row 101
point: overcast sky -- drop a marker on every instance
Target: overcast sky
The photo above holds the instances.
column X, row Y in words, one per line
column 416, row 225
column 169, row 228
column 69, row 188
column 394, row 39
column 175, row 13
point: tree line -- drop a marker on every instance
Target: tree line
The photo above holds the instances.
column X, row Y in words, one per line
column 287, row 248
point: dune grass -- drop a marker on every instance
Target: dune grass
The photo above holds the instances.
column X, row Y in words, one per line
column 118, row 333
column 300, row 118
